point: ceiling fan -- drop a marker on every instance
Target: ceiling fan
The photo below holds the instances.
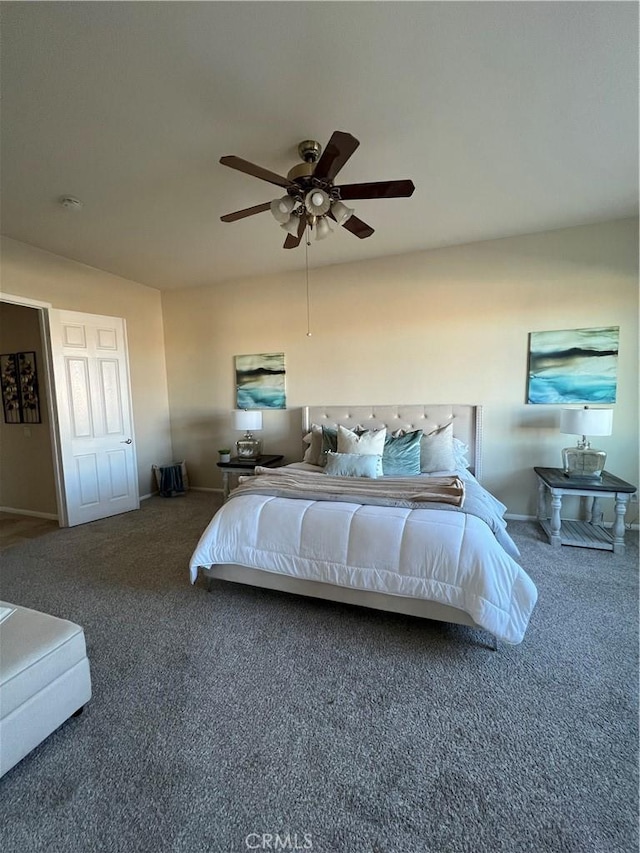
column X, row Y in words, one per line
column 311, row 195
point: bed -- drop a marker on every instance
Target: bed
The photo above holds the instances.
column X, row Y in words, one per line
column 433, row 544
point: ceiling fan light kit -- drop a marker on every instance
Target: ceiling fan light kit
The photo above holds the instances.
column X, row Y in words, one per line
column 317, row 202
column 312, row 198
column 291, row 224
column 281, row 208
column 323, row 229
column 341, row 212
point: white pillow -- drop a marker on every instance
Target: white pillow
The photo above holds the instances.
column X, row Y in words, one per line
column 314, row 440
column 436, row 451
column 460, row 450
column 368, row 443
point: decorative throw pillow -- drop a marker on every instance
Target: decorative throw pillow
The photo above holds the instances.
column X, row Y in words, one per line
column 401, row 456
column 460, row 450
column 367, row 442
column 370, row 442
column 436, row 451
column 314, row 440
column 329, row 442
column 352, row 465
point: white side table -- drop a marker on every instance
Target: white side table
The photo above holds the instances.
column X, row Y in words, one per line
column 588, row 533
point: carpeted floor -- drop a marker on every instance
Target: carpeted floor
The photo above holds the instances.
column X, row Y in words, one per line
column 218, row 717
column 15, row 528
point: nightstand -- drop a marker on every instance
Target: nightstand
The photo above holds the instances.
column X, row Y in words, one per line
column 588, row 533
column 245, row 466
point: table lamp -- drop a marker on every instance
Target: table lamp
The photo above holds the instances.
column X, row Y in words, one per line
column 583, row 461
column 248, row 447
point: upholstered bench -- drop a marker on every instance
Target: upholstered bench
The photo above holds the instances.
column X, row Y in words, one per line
column 44, row 678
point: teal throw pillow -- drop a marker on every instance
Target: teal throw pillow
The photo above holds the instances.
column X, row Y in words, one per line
column 401, row 456
column 329, row 443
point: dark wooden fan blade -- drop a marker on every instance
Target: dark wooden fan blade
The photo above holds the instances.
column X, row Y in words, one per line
column 355, row 225
column 291, row 242
column 256, row 171
column 377, row 189
column 358, row 227
column 339, row 148
column 248, row 211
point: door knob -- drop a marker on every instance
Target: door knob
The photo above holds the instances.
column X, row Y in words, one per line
column 128, row 441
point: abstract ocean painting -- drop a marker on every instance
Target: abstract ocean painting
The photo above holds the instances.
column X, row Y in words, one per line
column 260, row 381
column 573, row 366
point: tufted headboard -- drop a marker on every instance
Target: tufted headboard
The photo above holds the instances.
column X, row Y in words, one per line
column 467, row 422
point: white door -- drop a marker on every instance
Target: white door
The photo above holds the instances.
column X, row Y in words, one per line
column 96, row 440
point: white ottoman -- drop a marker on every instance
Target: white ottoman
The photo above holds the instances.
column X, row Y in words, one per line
column 44, row 678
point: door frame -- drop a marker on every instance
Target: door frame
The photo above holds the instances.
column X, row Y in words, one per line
column 54, row 427
column 47, row 374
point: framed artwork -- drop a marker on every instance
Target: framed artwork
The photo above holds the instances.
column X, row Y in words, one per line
column 10, row 390
column 573, row 366
column 19, row 379
column 28, row 384
column 260, row 381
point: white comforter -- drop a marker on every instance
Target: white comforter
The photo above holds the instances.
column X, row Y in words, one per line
column 435, row 554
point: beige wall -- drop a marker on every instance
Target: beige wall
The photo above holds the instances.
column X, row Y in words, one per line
column 26, row 462
column 39, row 275
column 449, row 325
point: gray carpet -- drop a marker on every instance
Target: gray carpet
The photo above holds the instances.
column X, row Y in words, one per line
column 217, row 716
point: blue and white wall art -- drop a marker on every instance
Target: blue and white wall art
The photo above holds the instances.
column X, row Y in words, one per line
column 260, row 381
column 573, row 366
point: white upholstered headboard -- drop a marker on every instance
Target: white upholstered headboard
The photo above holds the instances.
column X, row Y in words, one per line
column 467, row 422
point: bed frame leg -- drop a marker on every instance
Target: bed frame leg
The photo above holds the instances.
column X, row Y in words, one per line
column 209, row 584
column 494, row 646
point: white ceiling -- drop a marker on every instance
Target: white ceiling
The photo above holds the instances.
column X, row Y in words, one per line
column 510, row 118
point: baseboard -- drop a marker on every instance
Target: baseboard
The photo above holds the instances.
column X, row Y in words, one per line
column 190, row 489
column 50, row 515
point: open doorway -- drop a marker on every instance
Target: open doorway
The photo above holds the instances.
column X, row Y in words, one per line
column 27, row 461
column 85, row 467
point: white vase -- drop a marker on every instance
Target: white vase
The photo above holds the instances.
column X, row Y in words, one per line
column 225, row 457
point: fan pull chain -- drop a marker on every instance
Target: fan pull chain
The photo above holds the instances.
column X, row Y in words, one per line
column 306, row 257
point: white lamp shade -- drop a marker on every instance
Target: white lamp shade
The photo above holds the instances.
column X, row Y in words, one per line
column 341, row 212
column 247, row 420
column 322, row 229
column 281, row 208
column 317, row 202
column 586, row 421
column 291, row 225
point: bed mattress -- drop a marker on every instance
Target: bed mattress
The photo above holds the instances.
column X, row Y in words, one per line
column 434, row 554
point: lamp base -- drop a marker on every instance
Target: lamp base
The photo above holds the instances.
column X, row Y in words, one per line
column 583, row 463
column 248, row 448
